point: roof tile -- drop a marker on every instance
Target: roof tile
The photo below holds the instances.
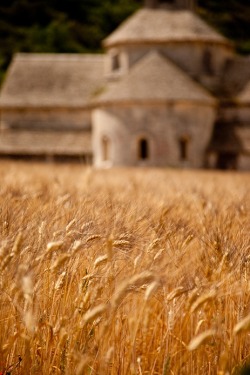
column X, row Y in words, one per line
column 162, row 25
column 155, row 78
column 52, row 80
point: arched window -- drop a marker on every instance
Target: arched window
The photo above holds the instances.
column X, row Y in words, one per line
column 183, row 148
column 105, row 148
column 116, row 64
column 143, row 149
column 208, row 62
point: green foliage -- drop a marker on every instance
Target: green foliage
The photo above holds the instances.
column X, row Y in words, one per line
column 81, row 25
column 58, row 25
column 231, row 18
column 56, row 37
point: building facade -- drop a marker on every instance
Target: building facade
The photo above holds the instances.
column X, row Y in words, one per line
column 168, row 91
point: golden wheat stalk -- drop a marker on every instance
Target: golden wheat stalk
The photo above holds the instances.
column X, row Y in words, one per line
column 200, row 339
column 243, row 325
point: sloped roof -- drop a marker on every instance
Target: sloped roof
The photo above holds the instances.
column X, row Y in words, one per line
column 161, row 26
column 50, row 80
column 18, row 142
column 244, row 96
column 155, row 78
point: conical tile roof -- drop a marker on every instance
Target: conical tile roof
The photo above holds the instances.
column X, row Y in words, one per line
column 162, row 26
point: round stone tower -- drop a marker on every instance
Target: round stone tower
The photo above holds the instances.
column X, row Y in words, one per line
column 175, row 30
column 155, row 109
column 153, row 116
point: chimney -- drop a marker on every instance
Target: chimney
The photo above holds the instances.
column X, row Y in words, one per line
column 151, row 4
column 185, row 4
column 172, row 4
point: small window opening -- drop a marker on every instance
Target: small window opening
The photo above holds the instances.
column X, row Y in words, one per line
column 116, row 64
column 105, row 149
column 207, row 62
column 183, row 148
column 143, row 149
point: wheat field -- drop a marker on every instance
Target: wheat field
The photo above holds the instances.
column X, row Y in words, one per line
column 123, row 271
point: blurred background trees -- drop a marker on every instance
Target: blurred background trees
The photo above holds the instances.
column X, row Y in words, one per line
column 80, row 25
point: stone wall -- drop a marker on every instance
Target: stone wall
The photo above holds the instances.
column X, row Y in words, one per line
column 167, row 129
column 46, row 118
column 244, row 162
column 196, row 58
column 242, row 113
column 232, row 139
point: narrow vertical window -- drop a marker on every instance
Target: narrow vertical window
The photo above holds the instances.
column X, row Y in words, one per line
column 183, row 148
column 207, row 62
column 116, row 62
column 143, row 149
column 105, row 149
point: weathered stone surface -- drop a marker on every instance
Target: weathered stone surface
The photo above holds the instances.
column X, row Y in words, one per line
column 169, row 91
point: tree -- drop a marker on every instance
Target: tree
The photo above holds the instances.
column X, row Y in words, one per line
column 81, row 25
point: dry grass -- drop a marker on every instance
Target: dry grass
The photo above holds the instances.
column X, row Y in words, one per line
column 123, row 272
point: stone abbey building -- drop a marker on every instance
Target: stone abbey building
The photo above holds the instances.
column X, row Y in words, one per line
column 168, row 91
